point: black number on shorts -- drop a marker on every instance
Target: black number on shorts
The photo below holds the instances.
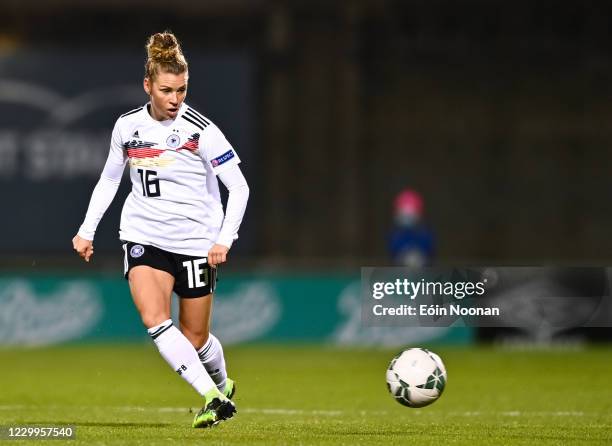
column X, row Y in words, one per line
column 150, row 186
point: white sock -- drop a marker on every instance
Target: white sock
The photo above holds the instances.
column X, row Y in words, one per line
column 181, row 356
column 211, row 355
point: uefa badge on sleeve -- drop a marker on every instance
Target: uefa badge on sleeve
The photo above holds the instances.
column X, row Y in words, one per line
column 137, row 251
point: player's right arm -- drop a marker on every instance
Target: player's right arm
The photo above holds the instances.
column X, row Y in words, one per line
column 102, row 195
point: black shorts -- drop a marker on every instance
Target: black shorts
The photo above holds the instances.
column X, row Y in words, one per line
column 193, row 276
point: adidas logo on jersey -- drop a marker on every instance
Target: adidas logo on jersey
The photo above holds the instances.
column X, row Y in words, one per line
column 136, row 135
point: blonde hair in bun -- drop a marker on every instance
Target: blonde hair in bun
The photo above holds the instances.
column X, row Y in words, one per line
column 164, row 54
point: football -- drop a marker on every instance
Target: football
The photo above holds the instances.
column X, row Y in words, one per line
column 416, row 377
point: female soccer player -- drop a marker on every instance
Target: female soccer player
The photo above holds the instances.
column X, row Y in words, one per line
column 173, row 227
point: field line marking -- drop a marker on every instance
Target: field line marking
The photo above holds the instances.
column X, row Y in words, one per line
column 285, row 411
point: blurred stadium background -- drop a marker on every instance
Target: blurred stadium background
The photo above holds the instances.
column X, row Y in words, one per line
column 497, row 113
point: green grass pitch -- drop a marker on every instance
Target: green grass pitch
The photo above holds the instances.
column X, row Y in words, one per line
column 126, row 394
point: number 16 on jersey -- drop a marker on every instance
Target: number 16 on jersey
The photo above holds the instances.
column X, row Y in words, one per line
column 150, row 183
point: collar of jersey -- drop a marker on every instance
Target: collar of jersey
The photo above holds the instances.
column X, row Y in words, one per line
column 166, row 122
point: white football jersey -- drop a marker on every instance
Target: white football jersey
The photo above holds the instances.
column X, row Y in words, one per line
column 175, row 203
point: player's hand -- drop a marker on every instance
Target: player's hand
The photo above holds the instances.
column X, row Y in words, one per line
column 83, row 247
column 217, row 255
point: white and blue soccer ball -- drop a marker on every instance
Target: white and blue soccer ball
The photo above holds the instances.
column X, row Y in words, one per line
column 416, row 377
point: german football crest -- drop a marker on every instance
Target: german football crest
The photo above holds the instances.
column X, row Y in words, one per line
column 173, row 141
column 137, row 251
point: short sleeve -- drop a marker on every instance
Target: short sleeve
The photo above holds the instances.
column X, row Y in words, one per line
column 217, row 151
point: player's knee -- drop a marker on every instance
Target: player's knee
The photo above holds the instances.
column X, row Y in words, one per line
column 152, row 319
column 197, row 337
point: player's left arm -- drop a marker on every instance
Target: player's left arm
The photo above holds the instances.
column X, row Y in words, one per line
column 237, row 199
column 224, row 161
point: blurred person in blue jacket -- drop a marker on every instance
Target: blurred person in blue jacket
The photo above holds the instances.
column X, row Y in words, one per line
column 411, row 242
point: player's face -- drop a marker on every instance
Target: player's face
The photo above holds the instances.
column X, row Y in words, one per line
column 167, row 93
